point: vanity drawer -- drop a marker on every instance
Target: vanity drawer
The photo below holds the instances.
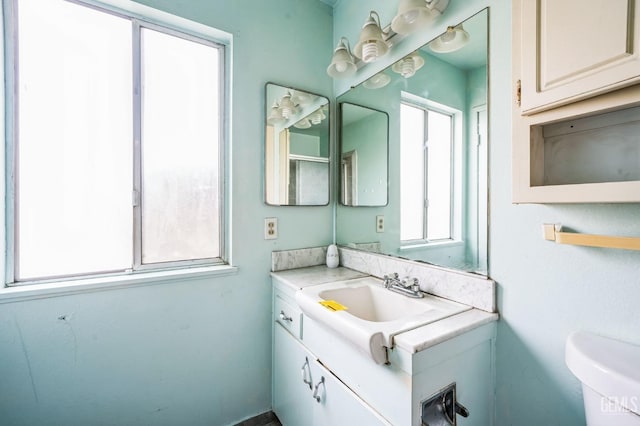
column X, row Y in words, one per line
column 288, row 315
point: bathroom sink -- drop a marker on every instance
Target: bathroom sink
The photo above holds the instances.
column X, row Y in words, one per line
column 368, row 315
column 373, row 302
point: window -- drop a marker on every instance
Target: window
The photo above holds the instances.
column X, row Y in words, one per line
column 429, row 159
column 118, row 135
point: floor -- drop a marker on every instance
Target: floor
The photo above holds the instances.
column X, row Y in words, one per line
column 264, row 419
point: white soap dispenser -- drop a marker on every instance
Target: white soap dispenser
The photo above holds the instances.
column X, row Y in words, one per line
column 333, row 259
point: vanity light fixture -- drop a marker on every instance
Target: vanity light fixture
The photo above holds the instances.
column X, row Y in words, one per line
column 302, row 124
column 415, row 14
column 454, row 39
column 287, row 107
column 317, row 116
column 377, row 81
column 275, row 116
column 371, row 44
column 342, row 63
column 408, row 65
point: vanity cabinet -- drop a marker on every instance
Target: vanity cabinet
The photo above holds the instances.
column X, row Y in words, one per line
column 574, row 49
column 306, row 393
column 320, row 378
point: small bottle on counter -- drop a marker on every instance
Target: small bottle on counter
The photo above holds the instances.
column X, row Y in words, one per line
column 333, row 258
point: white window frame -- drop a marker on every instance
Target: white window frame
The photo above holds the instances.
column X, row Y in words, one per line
column 140, row 17
column 457, row 185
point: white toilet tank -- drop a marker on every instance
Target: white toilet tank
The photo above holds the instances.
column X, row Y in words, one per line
column 610, row 374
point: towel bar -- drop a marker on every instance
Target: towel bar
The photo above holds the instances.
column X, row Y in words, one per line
column 553, row 232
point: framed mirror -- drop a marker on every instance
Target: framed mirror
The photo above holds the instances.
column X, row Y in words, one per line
column 363, row 155
column 296, row 147
column 436, row 102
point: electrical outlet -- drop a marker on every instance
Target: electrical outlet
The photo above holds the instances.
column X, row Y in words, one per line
column 270, row 228
column 380, row 223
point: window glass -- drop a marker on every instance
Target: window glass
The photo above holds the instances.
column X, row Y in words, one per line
column 74, row 158
column 439, row 176
column 426, row 138
column 412, row 180
column 89, row 199
column 180, row 136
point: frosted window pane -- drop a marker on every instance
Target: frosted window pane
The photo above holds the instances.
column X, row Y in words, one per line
column 180, row 138
column 411, row 173
column 74, row 148
column 439, row 177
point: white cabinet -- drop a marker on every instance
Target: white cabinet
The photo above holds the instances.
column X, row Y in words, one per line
column 576, row 121
column 574, row 49
column 305, row 393
column 319, row 378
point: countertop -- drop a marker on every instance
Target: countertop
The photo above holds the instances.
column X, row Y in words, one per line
column 412, row 341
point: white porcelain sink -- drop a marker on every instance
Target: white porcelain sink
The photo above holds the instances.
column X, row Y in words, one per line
column 365, row 313
column 373, row 302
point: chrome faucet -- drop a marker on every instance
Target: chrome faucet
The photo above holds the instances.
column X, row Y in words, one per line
column 408, row 286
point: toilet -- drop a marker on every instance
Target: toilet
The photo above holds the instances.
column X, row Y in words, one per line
column 610, row 374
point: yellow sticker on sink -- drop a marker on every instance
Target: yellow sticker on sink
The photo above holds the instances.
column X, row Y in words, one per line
column 332, row 305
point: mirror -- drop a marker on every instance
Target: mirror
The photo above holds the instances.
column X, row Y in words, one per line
column 436, row 102
column 296, row 147
column 363, row 156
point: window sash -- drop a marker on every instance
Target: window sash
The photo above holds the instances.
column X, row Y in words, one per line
column 426, row 175
column 11, row 73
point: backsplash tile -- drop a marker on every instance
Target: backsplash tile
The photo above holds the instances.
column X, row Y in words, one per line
column 300, row 258
column 471, row 289
column 463, row 287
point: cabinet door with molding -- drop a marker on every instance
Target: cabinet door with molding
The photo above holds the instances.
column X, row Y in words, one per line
column 568, row 50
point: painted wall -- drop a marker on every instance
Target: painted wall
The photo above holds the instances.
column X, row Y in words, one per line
column 546, row 290
column 194, row 352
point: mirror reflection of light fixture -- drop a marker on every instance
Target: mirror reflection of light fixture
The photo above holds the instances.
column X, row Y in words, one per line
column 275, row 117
column 415, row 14
column 371, row 44
column 287, row 107
column 377, row 81
column 342, row 62
column 408, row 65
column 454, row 39
column 317, row 116
column 302, row 124
column 302, row 98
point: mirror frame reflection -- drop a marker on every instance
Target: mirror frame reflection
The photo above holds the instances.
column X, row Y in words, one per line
column 297, row 166
column 444, row 82
column 364, row 154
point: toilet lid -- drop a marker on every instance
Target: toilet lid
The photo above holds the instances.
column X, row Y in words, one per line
column 608, row 366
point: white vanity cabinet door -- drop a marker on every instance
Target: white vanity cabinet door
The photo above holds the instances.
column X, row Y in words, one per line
column 326, row 402
column 573, row 49
column 336, row 405
column 292, row 397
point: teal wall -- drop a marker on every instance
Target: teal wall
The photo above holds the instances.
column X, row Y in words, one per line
column 198, row 352
column 545, row 290
column 368, row 137
column 194, row 352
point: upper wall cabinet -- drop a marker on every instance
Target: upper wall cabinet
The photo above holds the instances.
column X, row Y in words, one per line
column 575, row 49
column 576, row 119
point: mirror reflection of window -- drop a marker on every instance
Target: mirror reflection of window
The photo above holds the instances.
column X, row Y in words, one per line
column 428, row 160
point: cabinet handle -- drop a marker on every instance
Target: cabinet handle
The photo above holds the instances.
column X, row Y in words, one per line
column 303, row 371
column 317, row 389
column 284, row 317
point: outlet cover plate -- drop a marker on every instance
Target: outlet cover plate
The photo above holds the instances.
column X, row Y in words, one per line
column 270, row 228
